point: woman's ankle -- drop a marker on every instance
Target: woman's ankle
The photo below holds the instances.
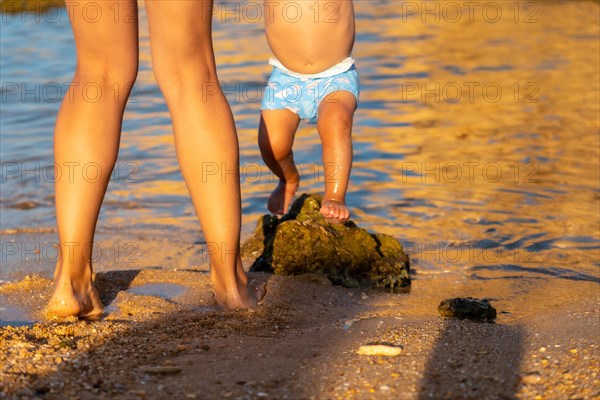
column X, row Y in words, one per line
column 76, row 273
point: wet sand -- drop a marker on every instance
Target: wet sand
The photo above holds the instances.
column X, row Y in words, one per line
column 163, row 337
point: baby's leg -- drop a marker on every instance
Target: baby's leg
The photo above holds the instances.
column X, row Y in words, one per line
column 275, row 139
column 335, row 129
column 87, row 133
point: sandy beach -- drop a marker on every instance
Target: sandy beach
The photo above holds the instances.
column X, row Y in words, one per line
column 493, row 196
column 164, row 338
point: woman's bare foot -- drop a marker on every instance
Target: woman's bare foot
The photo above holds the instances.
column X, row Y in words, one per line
column 282, row 196
column 334, row 211
column 239, row 294
column 241, row 297
column 75, row 297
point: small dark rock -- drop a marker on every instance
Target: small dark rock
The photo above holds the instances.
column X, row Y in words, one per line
column 467, row 308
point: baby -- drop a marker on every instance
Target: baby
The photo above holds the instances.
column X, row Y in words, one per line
column 314, row 79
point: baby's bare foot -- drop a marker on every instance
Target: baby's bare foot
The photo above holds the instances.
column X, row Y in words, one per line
column 75, row 299
column 282, row 196
column 334, row 211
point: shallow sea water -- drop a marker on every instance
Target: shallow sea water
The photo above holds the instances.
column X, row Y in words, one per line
column 476, row 144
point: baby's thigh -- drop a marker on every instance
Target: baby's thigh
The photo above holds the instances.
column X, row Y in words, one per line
column 277, row 128
column 339, row 104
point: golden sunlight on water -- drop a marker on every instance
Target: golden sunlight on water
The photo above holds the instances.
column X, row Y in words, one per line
column 476, row 140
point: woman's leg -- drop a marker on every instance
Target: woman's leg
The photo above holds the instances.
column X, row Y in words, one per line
column 86, row 142
column 205, row 136
column 275, row 139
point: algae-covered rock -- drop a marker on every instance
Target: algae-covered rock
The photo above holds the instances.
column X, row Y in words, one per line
column 467, row 308
column 304, row 242
column 254, row 246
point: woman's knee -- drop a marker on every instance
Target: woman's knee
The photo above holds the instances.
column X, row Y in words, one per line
column 175, row 75
column 113, row 77
column 122, row 68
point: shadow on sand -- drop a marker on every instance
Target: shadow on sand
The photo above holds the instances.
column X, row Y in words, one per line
column 110, row 283
column 474, row 361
